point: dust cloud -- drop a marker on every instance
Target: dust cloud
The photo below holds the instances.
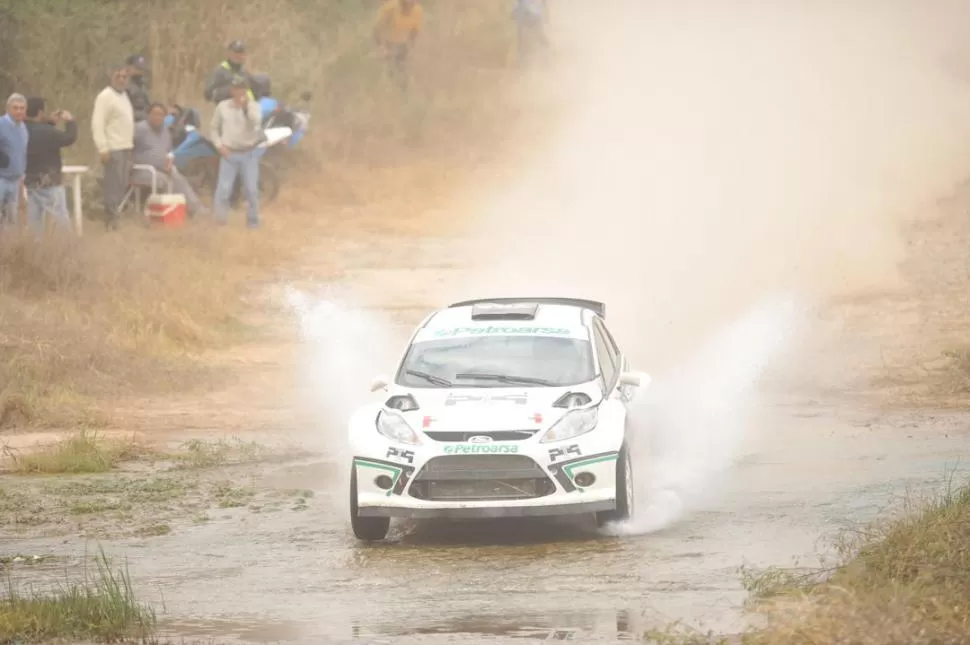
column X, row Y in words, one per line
column 717, row 159
column 720, row 170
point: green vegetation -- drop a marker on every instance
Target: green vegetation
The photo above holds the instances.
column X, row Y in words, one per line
column 84, row 452
column 902, row 580
column 197, row 453
column 102, row 609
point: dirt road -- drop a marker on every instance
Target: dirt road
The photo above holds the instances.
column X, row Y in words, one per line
column 700, row 211
column 261, row 551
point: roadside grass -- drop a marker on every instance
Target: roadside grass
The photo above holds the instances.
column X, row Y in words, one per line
column 84, row 323
column 89, row 452
column 100, row 608
column 198, row 453
column 82, row 453
column 902, row 579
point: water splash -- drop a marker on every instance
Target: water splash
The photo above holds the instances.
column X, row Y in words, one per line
column 700, row 418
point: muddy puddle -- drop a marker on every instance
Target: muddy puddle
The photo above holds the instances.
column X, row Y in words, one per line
column 258, row 548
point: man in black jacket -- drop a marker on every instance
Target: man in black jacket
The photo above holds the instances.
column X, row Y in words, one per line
column 217, row 86
column 45, row 192
column 137, row 86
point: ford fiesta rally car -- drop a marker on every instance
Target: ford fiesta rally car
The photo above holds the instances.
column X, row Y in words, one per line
column 499, row 408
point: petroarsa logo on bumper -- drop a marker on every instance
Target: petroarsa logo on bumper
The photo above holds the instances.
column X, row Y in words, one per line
column 480, row 449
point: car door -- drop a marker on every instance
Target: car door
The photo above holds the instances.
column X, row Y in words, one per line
column 606, row 345
column 608, row 363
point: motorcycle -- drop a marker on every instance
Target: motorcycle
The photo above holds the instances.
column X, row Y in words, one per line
column 197, row 159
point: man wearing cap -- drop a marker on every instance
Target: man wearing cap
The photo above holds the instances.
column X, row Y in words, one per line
column 217, row 85
column 45, row 192
column 137, row 87
column 236, row 131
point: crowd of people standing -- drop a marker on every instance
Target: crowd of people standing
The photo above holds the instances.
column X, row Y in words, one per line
column 129, row 129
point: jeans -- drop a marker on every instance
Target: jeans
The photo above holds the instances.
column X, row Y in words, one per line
column 116, row 173
column 9, row 200
column 42, row 201
column 244, row 165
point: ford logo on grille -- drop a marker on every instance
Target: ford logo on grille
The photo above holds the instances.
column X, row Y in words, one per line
column 480, row 439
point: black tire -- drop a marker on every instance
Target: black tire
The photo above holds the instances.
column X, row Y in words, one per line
column 624, row 491
column 369, row 529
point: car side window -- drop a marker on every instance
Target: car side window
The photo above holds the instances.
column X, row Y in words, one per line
column 606, row 360
column 611, row 346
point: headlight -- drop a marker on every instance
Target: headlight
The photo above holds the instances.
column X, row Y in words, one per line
column 393, row 426
column 572, row 424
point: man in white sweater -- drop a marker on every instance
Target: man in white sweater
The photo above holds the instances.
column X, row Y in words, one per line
column 113, row 129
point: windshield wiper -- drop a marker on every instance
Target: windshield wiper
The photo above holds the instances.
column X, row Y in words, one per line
column 506, row 378
column 430, row 378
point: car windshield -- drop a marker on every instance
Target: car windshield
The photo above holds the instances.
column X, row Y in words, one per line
column 497, row 361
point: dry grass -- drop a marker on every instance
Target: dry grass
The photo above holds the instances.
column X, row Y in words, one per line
column 903, row 580
column 101, row 608
column 83, row 453
column 84, row 324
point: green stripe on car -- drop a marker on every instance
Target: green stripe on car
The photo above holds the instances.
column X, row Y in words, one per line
column 365, row 463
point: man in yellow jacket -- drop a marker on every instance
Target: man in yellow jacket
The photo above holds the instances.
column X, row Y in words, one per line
column 398, row 24
column 217, row 85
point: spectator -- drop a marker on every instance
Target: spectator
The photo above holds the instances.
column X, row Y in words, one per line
column 217, row 86
column 13, row 143
column 530, row 17
column 45, row 192
column 113, row 126
column 236, row 131
column 138, row 87
column 396, row 31
column 153, row 147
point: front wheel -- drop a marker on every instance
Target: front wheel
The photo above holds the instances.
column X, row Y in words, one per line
column 369, row 529
column 624, row 491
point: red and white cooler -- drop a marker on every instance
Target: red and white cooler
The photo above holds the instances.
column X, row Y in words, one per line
column 166, row 209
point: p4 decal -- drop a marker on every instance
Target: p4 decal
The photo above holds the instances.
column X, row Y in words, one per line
column 455, row 399
column 400, row 453
column 564, row 453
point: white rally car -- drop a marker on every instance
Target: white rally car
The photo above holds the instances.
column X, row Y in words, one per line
column 499, row 408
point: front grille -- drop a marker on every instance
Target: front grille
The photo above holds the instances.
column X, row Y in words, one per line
column 481, row 478
column 498, row 435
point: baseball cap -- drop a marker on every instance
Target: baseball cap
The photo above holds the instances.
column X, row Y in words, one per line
column 237, row 46
column 138, row 61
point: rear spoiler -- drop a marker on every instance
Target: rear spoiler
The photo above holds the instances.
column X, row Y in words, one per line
column 597, row 308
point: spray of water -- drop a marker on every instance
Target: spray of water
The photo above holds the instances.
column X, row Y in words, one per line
column 346, row 346
column 710, row 156
column 704, row 415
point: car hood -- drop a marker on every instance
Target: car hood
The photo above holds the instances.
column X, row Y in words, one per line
column 488, row 408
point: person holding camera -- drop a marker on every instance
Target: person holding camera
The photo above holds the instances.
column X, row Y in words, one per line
column 43, row 180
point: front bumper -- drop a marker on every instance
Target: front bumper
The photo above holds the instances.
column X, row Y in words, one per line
column 486, row 512
column 534, row 482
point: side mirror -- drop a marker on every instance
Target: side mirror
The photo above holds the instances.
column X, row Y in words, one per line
column 635, row 379
column 379, row 383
